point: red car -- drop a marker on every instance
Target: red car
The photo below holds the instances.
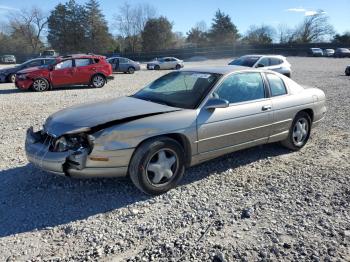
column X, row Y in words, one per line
column 92, row 70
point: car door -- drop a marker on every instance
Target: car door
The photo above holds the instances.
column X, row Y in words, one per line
column 63, row 73
column 123, row 64
column 244, row 123
column 84, row 69
column 275, row 64
column 166, row 64
column 283, row 104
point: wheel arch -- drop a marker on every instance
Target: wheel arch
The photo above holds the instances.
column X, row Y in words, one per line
column 310, row 112
column 178, row 137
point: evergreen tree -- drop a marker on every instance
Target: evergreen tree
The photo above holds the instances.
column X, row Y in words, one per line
column 223, row 31
column 99, row 40
column 157, row 34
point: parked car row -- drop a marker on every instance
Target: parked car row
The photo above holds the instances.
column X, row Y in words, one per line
column 339, row 52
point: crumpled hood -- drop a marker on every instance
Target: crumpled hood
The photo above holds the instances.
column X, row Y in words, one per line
column 83, row 117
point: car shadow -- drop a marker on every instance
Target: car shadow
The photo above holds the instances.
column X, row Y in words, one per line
column 10, row 91
column 31, row 199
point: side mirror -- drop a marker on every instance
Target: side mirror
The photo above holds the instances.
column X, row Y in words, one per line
column 50, row 67
column 260, row 65
column 213, row 103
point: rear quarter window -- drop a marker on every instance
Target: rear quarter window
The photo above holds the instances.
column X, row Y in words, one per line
column 276, row 84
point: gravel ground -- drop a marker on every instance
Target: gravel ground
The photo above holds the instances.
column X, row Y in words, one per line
column 260, row 204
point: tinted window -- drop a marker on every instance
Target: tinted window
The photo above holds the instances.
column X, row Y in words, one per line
column 242, row 87
column 276, row 85
column 64, row 64
column 123, row 60
column 275, row 61
column 245, row 61
column 49, row 61
column 33, row 63
column 264, row 61
column 82, row 62
column 179, row 89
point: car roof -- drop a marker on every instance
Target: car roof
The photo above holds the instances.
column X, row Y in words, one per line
column 223, row 70
column 80, row 56
column 257, row 55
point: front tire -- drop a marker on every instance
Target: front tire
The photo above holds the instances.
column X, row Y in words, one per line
column 178, row 67
column 157, row 67
column 40, row 85
column 157, row 165
column 98, row 81
column 299, row 132
column 11, row 78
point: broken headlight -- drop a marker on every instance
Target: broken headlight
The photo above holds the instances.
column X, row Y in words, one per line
column 21, row 76
column 72, row 142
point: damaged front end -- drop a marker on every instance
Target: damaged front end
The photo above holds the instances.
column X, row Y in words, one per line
column 58, row 155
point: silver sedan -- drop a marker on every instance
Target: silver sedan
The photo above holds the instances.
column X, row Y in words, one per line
column 182, row 119
column 165, row 63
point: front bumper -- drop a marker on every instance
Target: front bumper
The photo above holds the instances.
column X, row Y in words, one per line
column 23, row 84
column 110, row 77
column 74, row 163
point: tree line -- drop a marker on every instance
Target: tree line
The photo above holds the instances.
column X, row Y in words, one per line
column 71, row 27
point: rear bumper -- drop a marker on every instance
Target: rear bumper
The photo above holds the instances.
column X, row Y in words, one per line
column 73, row 163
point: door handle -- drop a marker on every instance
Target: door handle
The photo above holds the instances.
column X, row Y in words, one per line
column 265, row 108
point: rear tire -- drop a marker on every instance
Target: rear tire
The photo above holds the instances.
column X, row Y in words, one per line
column 299, row 132
column 98, row 81
column 40, row 85
column 131, row 70
column 157, row 165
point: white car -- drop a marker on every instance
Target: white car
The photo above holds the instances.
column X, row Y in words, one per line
column 275, row 63
column 165, row 63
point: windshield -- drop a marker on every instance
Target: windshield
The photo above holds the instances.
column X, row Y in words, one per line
column 248, row 61
column 179, row 89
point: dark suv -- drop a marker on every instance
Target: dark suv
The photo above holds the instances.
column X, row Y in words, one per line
column 92, row 70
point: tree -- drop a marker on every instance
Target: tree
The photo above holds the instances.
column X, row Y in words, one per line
column 223, row 31
column 131, row 21
column 285, row 34
column 67, row 29
column 342, row 39
column 99, row 40
column 157, row 34
column 260, row 35
column 198, row 35
column 314, row 28
column 29, row 25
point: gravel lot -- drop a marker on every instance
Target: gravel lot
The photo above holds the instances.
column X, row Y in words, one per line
column 260, row 204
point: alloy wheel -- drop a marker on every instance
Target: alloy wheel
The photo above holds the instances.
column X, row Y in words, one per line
column 39, row 85
column 300, row 131
column 162, row 166
column 98, row 81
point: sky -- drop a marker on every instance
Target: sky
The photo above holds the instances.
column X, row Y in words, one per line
column 186, row 13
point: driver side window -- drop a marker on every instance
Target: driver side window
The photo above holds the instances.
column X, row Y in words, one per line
column 64, row 64
column 241, row 87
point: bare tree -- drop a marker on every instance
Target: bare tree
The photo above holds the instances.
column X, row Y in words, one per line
column 314, row 28
column 263, row 34
column 131, row 21
column 285, row 34
column 30, row 24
